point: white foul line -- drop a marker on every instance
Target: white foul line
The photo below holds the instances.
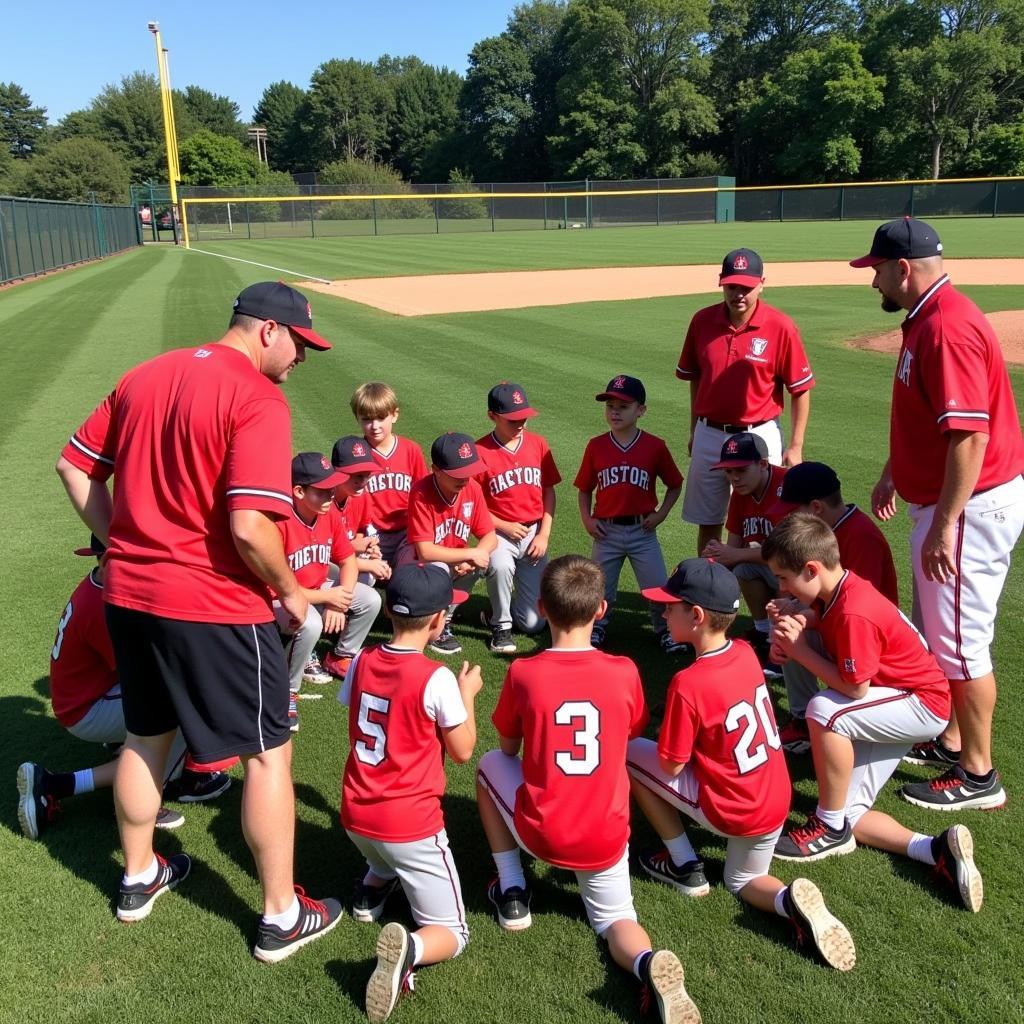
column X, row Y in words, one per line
column 266, row 266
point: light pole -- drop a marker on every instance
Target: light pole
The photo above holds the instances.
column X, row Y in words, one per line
column 170, row 134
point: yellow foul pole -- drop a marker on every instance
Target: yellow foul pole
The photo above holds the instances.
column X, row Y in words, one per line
column 170, row 134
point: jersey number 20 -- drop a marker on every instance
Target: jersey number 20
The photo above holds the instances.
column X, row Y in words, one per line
column 586, row 755
column 746, row 716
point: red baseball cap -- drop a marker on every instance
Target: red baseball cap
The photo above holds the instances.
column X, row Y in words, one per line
column 274, row 300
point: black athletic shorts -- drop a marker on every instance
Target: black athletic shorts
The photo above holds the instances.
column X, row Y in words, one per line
column 225, row 686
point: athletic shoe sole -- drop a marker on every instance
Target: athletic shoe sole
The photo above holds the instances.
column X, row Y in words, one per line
column 27, row 800
column 385, row 984
column 968, row 877
column 687, row 890
column 509, row 924
column 445, row 652
column 190, row 798
column 321, row 680
column 833, row 851
column 667, row 984
column 797, row 746
column 131, row 916
column 502, row 648
column 367, row 915
column 929, row 762
column 831, row 936
column 983, row 802
column 275, row 956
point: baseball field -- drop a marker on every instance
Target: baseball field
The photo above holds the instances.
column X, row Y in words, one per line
column 67, row 338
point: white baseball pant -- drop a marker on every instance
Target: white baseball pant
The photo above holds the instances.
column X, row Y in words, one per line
column 642, row 549
column 513, row 583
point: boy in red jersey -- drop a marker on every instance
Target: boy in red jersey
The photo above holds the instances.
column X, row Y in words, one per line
column 718, row 761
column 572, row 710
column 623, row 466
column 885, row 692
column 755, row 508
column 814, row 487
column 406, row 712
column 399, row 463
column 445, row 510
column 519, row 486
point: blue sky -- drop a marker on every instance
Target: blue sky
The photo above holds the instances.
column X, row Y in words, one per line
column 63, row 53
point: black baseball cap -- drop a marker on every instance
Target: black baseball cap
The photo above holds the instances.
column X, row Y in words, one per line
column 741, row 450
column 742, row 266
column 420, row 588
column 352, row 454
column 456, row 455
column 313, row 469
column 509, row 400
column 627, row 389
column 809, row 481
column 700, row 581
column 274, row 300
column 903, row 239
column 95, row 549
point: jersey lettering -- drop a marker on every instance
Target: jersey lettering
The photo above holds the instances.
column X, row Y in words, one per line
column 319, row 553
column 746, row 716
column 623, row 475
column 757, row 526
column 450, row 526
column 61, row 626
column 528, row 475
column 389, row 482
column 585, row 738
column 375, row 751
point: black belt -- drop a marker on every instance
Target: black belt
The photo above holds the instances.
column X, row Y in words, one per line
column 731, row 428
column 624, row 520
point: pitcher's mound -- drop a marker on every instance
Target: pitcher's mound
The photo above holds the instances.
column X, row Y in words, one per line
column 1008, row 325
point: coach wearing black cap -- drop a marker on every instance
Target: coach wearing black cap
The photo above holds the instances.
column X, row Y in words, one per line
column 739, row 355
column 956, row 456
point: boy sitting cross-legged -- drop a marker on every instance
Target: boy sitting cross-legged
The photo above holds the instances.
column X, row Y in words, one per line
column 572, row 710
column 718, row 760
column 884, row 692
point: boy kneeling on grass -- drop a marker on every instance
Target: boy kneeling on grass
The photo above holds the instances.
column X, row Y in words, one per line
column 885, row 692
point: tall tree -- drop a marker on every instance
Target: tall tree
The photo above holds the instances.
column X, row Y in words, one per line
column 281, row 110
column 22, row 126
column 220, row 160
column 75, row 168
column 424, row 114
column 347, row 113
column 218, row 114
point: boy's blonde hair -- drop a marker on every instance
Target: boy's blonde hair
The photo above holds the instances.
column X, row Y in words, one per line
column 801, row 538
column 572, row 589
column 374, row 399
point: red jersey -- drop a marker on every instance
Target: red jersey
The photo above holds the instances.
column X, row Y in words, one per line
column 950, row 375
column 624, row 475
column 394, row 775
column 741, row 371
column 718, row 717
column 82, row 667
column 311, row 548
column 386, row 495
column 516, row 477
column 449, row 524
column 869, row 638
column 189, row 436
column 575, row 712
column 754, row 516
column 864, row 550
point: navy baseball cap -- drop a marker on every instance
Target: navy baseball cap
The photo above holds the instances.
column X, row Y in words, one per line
column 741, row 450
column 627, row 389
column 352, row 454
column 700, row 581
column 274, row 300
column 509, row 400
column 903, row 239
column 418, row 588
column 742, row 266
column 456, row 455
column 95, row 549
column 809, row 481
column 313, row 469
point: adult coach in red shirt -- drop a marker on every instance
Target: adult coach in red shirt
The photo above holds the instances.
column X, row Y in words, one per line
column 738, row 356
column 956, row 457
column 198, row 441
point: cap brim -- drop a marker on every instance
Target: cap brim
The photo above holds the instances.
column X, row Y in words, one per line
column 660, row 595
column 311, row 338
column 621, row 395
column 735, row 463
column 339, row 476
column 459, row 596
column 868, row 261
column 88, row 552
column 464, row 472
column 357, row 467
column 747, row 280
column 518, row 414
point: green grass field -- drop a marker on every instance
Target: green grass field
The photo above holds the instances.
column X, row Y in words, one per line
column 67, row 338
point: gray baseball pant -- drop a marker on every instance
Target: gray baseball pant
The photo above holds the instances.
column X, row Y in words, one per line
column 801, row 683
column 513, row 583
column 642, row 549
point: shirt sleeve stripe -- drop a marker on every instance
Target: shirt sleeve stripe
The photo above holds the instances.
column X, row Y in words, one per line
column 682, row 372
column 802, row 380
column 257, row 492
column 88, row 451
column 962, row 414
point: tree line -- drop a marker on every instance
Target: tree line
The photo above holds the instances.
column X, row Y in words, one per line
column 770, row 91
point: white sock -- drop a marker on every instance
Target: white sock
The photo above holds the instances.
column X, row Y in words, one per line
column 920, row 848
column 510, row 870
column 639, row 961
column 417, row 948
column 286, row 919
column 834, row 819
column 681, row 850
column 143, row 877
column 84, row 781
column 761, row 625
column 780, row 902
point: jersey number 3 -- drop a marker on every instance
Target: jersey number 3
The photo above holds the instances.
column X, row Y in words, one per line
column 584, row 758
column 374, row 751
column 746, row 716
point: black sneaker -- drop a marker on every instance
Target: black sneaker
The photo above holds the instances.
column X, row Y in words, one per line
column 169, row 820
column 953, row 791
column 316, row 918
column 809, row 915
column 933, row 752
column 501, row 641
column 445, row 643
column 513, row 906
column 689, row 878
column 670, row 646
column 368, row 900
column 196, row 787
column 36, row 810
column 795, row 736
column 954, row 863
column 134, row 902
column 393, row 973
column 814, row 840
column 664, row 989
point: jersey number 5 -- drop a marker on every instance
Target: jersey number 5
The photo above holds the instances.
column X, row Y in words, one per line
column 583, row 713
column 374, row 751
column 746, row 716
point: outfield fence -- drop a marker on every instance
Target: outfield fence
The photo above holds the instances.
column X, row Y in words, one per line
column 328, row 210
column 40, row 235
